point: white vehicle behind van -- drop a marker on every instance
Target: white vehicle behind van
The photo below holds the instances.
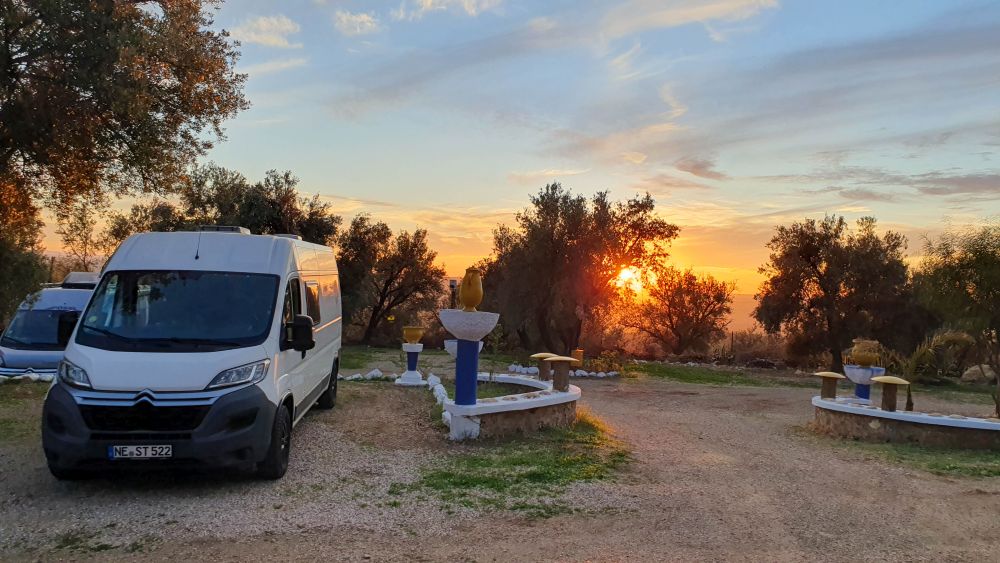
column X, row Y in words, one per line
column 197, row 349
column 32, row 344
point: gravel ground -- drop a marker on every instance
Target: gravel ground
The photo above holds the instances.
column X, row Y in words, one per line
column 720, row 474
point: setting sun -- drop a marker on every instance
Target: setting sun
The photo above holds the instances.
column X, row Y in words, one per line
column 630, row 277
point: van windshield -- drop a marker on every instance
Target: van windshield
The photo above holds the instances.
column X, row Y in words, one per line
column 33, row 329
column 179, row 311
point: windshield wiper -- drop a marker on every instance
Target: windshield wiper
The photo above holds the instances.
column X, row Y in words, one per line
column 121, row 337
column 197, row 341
column 16, row 341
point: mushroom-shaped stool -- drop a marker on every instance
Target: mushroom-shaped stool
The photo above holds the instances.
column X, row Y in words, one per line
column 829, row 388
column 560, row 371
column 544, row 373
column 889, row 386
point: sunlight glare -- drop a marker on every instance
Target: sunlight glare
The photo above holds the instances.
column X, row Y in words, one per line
column 629, row 277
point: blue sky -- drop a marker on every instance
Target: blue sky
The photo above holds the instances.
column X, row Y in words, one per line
column 737, row 115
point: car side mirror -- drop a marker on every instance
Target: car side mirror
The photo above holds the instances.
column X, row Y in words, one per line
column 301, row 333
column 67, row 322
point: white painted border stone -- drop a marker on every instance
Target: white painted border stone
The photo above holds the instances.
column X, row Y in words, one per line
column 906, row 416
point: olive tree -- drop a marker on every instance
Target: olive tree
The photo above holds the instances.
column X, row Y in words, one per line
column 826, row 284
column 110, row 96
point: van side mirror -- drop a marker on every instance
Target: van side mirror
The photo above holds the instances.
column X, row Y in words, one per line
column 300, row 334
column 67, row 322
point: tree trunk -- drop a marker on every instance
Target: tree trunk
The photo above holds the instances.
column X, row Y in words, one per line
column 541, row 321
column 525, row 338
column 576, row 334
column 371, row 326
column 837, row 359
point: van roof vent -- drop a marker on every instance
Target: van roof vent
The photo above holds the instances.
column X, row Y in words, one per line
column 286, row 235
column 224, row 229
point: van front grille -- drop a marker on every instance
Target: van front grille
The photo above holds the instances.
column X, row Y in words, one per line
column 143, row 417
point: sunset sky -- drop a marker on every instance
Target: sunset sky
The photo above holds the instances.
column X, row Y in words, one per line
column 736, row 115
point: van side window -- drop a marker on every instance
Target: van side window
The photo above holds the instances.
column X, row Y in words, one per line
column 312, row 301
column 293, row 302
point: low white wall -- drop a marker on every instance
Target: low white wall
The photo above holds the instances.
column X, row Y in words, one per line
column 957, row 421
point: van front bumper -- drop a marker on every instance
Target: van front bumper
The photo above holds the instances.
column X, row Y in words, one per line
column 231, row 429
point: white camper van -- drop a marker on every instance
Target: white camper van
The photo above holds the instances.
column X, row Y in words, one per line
column 33, row 343
column 197, row 348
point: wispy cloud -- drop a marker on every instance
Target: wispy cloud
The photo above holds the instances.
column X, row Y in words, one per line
column 634, row 157
column 701, row 167
column 677, row 108
column 416, row 9
column 622, row 65
column 921, row 77
column 865, row 194
column 408, row 74
column 278, row 65
column 351, row 24
column 665, row 184
column 870, row 183
column 535, row 176
column 642, row 15
column 270, row 31
column 937, row 183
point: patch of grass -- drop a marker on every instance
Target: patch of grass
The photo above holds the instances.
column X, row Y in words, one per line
column 527, row 474
column 17, row 429
column 16, row 393
column 978, row 394
column 706, row 376
column 484, row 389
column 436, row 412
column 355, row 357
column 940, row 461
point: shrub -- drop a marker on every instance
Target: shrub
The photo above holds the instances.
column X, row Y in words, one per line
column 609, row 360
column 938, row 359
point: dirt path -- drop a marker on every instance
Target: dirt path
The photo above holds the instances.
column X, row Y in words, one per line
column 720, row 474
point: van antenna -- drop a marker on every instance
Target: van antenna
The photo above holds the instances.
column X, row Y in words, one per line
column 197, row 247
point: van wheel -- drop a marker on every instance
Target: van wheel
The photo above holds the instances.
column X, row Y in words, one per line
column 329, row 397
column 275, row 464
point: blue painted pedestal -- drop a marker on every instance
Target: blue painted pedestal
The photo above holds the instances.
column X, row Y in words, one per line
column 466, row 370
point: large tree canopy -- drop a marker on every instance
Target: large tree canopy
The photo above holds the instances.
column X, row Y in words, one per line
column 827, row 284
column 549, row 273
column 959, row 280
column 681, row 311
column 21, row 266
column 105, row 95
column 216, row 196
column 384, row 275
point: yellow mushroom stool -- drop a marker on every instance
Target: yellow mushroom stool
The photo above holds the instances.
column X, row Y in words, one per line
column 544, row 373
column 560, row 368
column 889, row 386
column 829, row 388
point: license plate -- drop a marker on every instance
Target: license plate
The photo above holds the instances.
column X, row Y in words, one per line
column 140, row 452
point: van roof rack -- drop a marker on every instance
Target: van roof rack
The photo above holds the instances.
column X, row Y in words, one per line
column 224, row 229
column 286, row 235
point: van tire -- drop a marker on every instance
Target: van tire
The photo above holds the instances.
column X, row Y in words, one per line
column 275, row 463
column 329, row 397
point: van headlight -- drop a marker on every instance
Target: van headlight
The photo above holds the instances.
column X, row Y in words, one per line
column 74, row 375
column 250, row 373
